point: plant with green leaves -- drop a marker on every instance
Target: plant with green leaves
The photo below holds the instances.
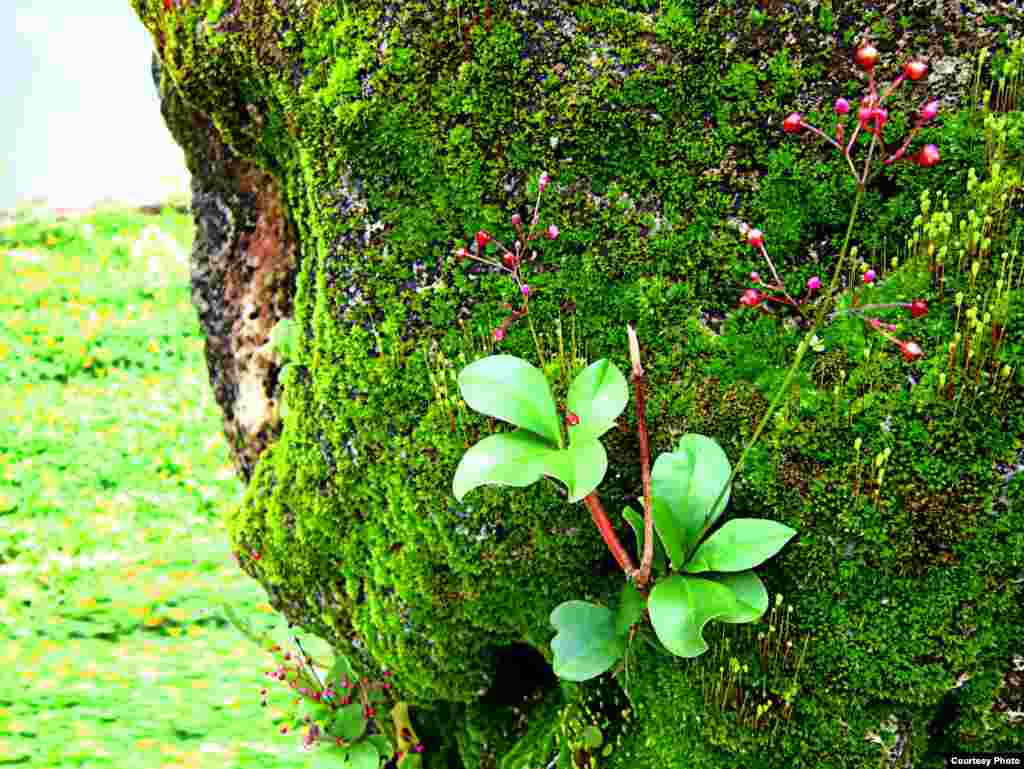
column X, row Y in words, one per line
column 345, row 720
column 706, row 574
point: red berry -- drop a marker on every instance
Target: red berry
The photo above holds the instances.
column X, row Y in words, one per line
column 510, row 260
column 571, row 419
column 915, row 70
column 869, row 276
column 793, row 123
column 482, row 238
column 929, row 111
column 867, row 57
column 911, row 350
column 928, row 156
column 755, row 238
column 918, row 308
column 751, row 297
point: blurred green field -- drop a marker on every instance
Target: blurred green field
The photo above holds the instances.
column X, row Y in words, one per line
column 114, row 478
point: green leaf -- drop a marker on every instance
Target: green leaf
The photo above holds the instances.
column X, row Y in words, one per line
column 587, row 643
column 518, row 458
column 684, row 486
column 581, row 467
column 340, row 668
column 597, row 396
column 749, row 592
column 740, row 544
column 631, row 608
column 382, row 743
column 637, row 522
column 680, row 607
column 362, row 755
column 511, row 389
column 349, row 723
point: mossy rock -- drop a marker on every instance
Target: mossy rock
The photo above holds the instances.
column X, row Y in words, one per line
column 387, row 135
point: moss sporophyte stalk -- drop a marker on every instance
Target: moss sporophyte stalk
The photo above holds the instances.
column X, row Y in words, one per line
column 702, row 577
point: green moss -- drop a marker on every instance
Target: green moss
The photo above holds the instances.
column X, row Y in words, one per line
column 398, row 132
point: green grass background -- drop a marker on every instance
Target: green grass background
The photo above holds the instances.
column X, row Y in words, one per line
column 114, row 478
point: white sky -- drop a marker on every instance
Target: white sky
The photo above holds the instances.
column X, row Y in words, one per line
column 81, row 118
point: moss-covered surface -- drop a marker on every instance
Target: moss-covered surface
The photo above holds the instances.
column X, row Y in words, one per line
column 400, row 129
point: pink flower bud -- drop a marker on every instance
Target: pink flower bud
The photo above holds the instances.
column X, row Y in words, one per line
column 751, row 297
column 929, row 111
column 842, row 106
column 918, row 308
column 461, row 254
column 544, row 179
column 915, row 70
column 864, row 114
column 869, row 276
column 517, row 220
column 755, row 238
column 928, row 156
column 499, row 334
column 256, row 557
column 552, row 232
column 876, row 323
column 793, row 123
column 866, row 57
column 814, row 283
column 911, row 350
column 525, row 289
column 880, row 116
column 756, row 277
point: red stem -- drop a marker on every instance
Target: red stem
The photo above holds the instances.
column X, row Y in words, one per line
column 593, row 503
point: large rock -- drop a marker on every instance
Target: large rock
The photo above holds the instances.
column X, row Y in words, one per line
column 342, row 152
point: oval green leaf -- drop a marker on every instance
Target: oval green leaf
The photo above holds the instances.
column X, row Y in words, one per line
column 362, row 755
column 511, row 389
column 586, row 644
column 740, row 544
column 506, row 459
column 750, row 594
column 581, row 467
column 348, row 723
column 680, row 607
column 597, row 396
column 684, row 486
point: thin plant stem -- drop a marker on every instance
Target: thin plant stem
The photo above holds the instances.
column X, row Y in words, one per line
column 784, row 387
column 645, row 460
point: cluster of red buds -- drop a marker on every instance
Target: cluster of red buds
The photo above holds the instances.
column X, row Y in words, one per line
column 304, row 681
column 764, row 293
column 872, row 117
column 512, row 260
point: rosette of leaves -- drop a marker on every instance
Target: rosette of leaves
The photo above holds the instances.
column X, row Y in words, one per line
column 707, row 576
column 514, row 391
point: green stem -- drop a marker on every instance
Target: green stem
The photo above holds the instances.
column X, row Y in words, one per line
column 784, row 387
